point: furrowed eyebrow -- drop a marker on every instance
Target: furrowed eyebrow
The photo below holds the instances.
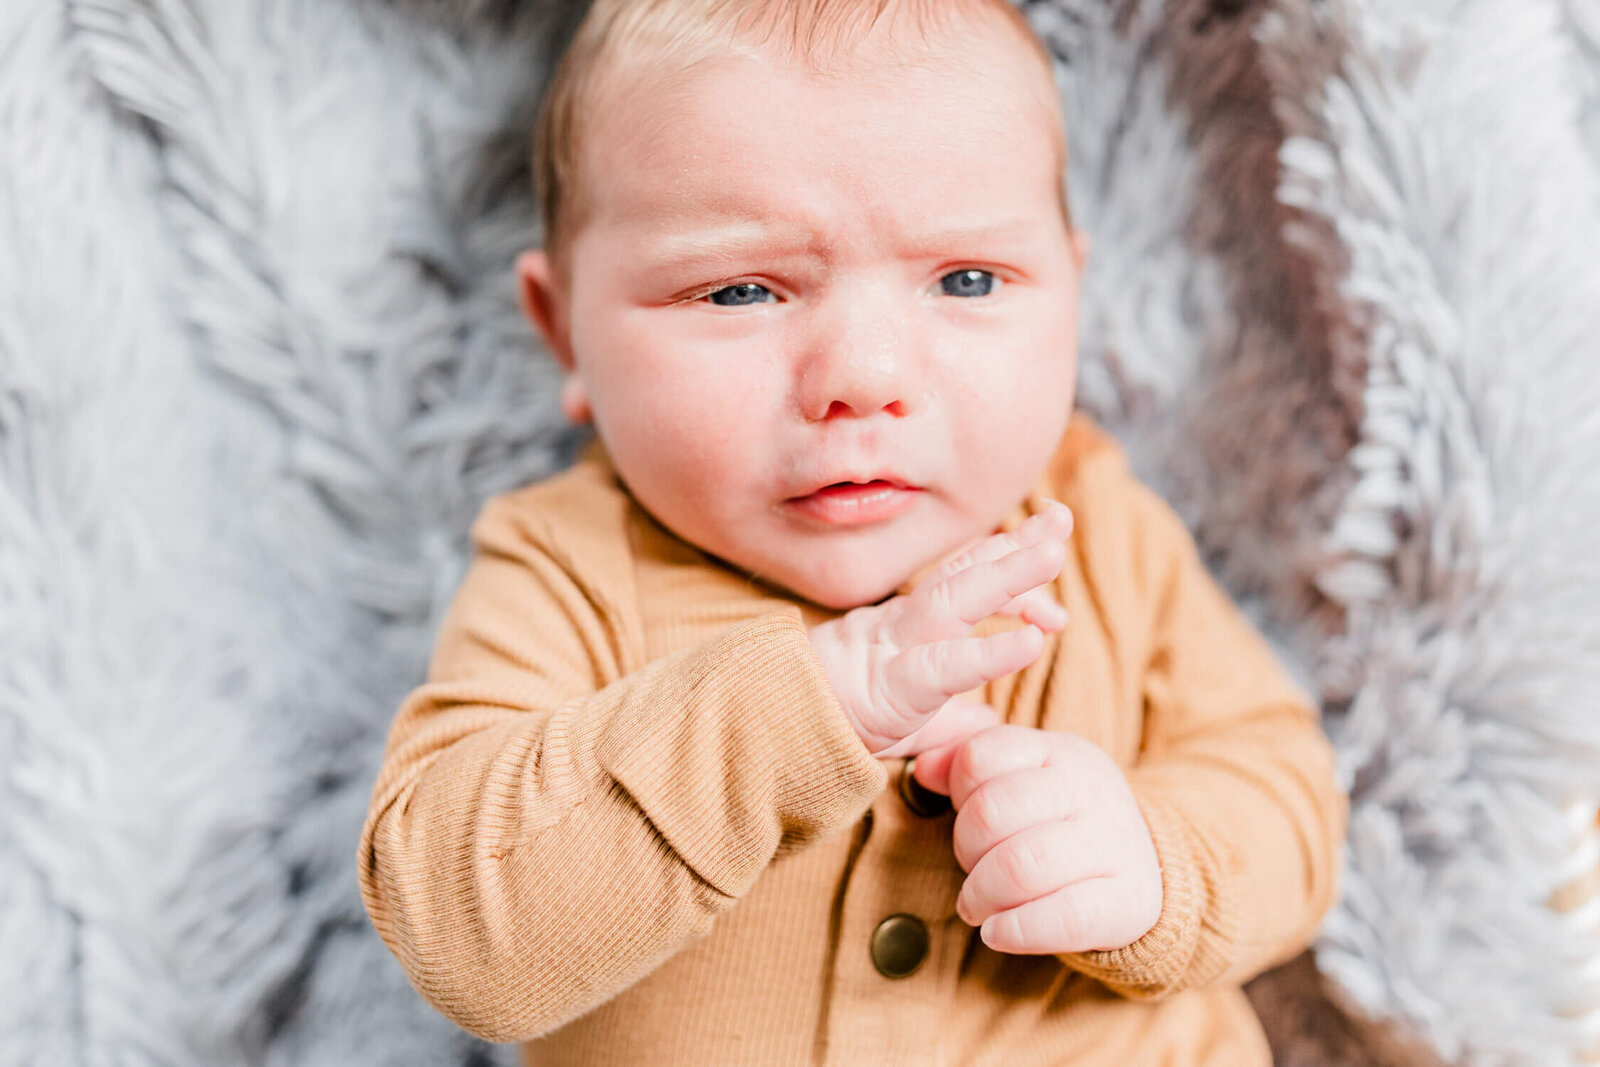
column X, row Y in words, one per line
column 733, row 242
column 726, row 244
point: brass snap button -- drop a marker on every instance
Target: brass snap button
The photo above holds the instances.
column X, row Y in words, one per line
column 899, row 945
column 922, row 801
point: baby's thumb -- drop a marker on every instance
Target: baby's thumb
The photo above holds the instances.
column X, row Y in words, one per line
column 958, row 720
column 933, row 767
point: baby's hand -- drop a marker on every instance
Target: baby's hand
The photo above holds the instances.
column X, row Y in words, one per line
column 896, row 666
column 1057, row 854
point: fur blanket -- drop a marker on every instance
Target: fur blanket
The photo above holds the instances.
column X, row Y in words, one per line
column 261, row 361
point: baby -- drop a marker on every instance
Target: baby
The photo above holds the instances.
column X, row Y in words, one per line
column 849, row 701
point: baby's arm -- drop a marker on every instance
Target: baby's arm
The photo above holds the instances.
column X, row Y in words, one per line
column 547, row 828
column 1233, row 793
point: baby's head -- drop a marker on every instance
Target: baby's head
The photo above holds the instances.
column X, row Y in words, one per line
column 810, row 270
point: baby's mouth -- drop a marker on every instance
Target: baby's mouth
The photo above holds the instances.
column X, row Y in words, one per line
column 854, row 503
column 845, row 486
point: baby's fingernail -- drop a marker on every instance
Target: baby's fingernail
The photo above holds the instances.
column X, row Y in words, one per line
column 1050, row 515
column 1035, row 528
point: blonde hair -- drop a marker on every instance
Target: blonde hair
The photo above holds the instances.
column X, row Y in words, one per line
column 617, row 38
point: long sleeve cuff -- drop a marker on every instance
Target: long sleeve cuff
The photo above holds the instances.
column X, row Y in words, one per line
column 1164, row 959
column 759, row 726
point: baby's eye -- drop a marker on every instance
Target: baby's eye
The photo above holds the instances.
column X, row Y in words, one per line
column 970, row 282
column 737, row 294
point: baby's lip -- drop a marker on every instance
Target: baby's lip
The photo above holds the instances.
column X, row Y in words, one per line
column 888, row 478
column 853, row 503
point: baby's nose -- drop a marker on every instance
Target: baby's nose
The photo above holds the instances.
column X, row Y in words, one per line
column 842, row 409
column 857, row 365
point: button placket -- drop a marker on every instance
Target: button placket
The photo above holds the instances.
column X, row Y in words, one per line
column 899, row 942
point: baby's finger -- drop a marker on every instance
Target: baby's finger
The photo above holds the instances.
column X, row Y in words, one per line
column 1039, row 607
column 1055, row 520
column 1087, row 916
column 978, row 550
column 1026, row 866
column 922, row 679
column 1005, row 750
column 952, row 607
column 1007, row 805
column 958, row 720
column 932, row 768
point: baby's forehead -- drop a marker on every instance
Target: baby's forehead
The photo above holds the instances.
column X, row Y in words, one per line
column 985, row 38
column 989, row 76
column 630, row 106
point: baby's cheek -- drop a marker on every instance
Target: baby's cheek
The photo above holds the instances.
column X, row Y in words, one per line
column 688, row 454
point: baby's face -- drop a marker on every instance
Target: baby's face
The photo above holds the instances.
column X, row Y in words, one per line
column 826, row 327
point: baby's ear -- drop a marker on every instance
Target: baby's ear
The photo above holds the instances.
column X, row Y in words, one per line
column 544, row 304
column 575, row 401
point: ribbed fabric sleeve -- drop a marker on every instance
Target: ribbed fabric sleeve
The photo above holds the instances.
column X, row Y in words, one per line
column 1236, row 783
column 530, row 852
column 752, row 728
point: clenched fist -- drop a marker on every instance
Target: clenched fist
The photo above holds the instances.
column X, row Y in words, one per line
column 1057, row 854
column 897, row 666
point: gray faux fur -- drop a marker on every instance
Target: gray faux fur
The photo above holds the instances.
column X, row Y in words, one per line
column 261, row 361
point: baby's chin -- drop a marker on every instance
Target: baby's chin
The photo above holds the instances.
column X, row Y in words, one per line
column 841, row 587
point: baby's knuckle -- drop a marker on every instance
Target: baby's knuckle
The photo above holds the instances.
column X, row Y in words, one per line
column 1028, row 929
column 1003, row 572
column 1021, row 864
column 935, row 661
column 981, row 748
column 985, row 814
column 937, row 599
column 995, row 543
column 858, row 627
column 1070, row 926
column 954, row 565
column 887, row 704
